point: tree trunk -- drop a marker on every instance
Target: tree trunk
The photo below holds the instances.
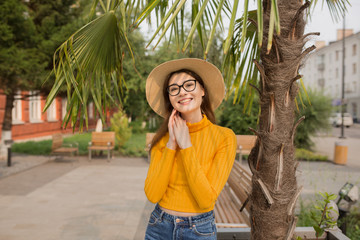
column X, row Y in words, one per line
column 274, row 187
column 7, row 124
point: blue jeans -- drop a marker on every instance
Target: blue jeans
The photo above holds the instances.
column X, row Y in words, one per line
column 163, row 226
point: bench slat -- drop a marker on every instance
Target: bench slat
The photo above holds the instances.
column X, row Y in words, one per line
column 239, row 217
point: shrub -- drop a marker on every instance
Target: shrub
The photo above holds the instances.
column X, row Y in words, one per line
column 136, row 126
column 234, row 117
column 135, row 147
column 304, row 154
column 119, row 124
column 316, row 118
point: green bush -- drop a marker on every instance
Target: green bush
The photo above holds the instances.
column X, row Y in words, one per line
column 306, row 215
column 316, row 119
column 136, row 126
column 353, row 224
column 119, row 124
column 304, row 154
column 233, row 116
column 135, row 147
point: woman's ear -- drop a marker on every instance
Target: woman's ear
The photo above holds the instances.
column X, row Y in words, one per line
column 203, row 92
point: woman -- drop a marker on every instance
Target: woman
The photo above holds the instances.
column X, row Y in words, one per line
column 191, row 157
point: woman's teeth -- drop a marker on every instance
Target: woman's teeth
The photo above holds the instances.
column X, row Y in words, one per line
column 185, row 101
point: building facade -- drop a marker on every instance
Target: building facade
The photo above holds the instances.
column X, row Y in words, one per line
column 28, row 121
column 322, row 71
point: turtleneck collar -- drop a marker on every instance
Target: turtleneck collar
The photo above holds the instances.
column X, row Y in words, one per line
column 194, row 127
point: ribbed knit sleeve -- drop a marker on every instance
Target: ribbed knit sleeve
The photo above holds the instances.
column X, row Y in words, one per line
column 206, row 187
column 161, row 164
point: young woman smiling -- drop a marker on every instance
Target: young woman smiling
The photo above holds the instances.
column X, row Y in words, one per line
column 191, row 157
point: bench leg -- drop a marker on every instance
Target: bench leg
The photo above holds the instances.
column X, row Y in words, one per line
column 108, row 155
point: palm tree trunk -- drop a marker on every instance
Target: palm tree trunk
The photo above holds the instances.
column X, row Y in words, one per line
column 274, row 186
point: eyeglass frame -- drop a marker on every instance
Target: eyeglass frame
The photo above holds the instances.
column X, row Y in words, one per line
column 181, row 86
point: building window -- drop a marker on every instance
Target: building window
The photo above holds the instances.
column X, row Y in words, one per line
column 354, row 50
column 336, row 72
column 63, row 108
column 17, row 109
column 51, row 111
column 354, row 68
column 35, row 106
column 91, row 110
column 337, row 55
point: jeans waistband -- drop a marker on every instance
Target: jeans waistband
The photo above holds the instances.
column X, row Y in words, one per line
column 192, row 219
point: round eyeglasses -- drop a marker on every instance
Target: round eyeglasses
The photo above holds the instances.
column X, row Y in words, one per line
column 188, row 85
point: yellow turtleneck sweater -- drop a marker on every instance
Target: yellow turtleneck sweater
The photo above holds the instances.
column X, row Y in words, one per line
column 191, row 179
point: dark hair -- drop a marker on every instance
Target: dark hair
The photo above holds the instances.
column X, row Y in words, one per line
column 205, row 105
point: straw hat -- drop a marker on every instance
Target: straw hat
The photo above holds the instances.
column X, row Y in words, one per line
column 209, row 73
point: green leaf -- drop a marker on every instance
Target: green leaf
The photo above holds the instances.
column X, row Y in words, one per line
column 231, row 27
column 174, row 5
column 277, row 17
column 260, row 23
column 332, row 197
column 195, row 23
column 271, row 28
column 170, row 22
column 244, row 26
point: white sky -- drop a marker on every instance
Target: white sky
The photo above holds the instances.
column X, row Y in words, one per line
column 321, row 21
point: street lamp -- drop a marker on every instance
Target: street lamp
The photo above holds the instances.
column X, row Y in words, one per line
column 343, row 81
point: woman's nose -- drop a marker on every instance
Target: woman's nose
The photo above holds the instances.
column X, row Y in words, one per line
column 182, row 91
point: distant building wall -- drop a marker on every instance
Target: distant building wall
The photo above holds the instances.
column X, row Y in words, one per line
column 322, row 71
column 29, row 122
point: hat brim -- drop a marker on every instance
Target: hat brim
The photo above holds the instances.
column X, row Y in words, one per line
column 209, row 73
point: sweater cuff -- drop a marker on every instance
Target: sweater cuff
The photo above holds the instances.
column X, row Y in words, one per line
column 187, row 153
column 169, row 152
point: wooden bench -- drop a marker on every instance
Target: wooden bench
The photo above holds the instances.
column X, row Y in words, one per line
column 59, row 148
column 232, row 198
column 102, row 141
column 244, row 144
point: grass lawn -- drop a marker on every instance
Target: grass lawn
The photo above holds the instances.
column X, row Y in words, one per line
column 133, row 147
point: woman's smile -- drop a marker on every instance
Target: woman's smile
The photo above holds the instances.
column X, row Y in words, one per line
column 185, row 101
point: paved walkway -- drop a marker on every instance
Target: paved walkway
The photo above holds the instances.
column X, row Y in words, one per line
column 79, row 200
column 331, row 177
column 74, row 200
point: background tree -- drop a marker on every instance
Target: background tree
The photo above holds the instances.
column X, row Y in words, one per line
column 29, row 34
column 263, row 52
column 20, row 61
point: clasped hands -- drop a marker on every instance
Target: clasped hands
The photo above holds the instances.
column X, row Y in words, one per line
column 178, row 132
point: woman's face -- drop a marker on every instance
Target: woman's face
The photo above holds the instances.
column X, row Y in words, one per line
column 186, row 101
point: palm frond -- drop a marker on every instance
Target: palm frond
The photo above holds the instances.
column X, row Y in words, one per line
column 238, row 67
column 90, row 62
column 202, row 20
column 337, row 8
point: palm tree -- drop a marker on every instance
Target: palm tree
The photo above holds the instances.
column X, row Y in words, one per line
column 263, row 51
